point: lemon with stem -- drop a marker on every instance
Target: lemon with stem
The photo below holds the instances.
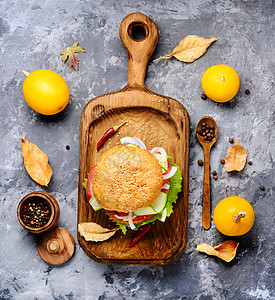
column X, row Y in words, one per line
column 45, row 91
column 234, row 216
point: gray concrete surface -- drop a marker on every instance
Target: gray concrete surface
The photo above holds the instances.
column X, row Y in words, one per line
column 32, row 34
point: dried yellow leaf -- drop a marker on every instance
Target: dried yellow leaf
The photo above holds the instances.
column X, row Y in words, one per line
column 36, row 162
column 235, row 158
column 94, row 232
column 225, row 251
column 190, row 48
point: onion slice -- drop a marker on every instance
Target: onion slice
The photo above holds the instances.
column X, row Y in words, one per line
column 131, row 223
column 133, row 140
column 120, row 217
column 164, row 213
column 126, row 218
column 166, row 186
column 171, row 173
column 127, row 140
column 159, row 149
column 139, row 143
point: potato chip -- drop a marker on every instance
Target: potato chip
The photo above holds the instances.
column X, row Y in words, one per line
column 225, row 251
column 94, row 232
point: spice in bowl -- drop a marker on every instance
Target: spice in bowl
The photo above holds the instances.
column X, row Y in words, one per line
column 38, row 211
column 35, row 213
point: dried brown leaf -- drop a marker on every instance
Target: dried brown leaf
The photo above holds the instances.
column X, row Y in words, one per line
column 235, row 158
column 190, row 48
column 225, row 251
column 36, row 162
column 94, row 232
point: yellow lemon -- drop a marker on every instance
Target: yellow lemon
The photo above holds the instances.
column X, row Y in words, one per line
column 234, row 216
column 45, row 91
column 220, row 83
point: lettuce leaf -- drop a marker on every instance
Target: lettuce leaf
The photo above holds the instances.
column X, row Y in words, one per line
column 175, row 188
column 85, row 183
column 122, row 226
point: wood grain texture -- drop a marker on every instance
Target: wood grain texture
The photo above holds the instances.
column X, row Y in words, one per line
column 158, row 121
column 56, row 246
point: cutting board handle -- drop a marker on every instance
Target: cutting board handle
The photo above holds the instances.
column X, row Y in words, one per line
column 139, row 50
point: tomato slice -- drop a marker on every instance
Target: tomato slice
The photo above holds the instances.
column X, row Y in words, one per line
column 122, row 214
column 142, row 218
column 89, row 185
column 137, row 218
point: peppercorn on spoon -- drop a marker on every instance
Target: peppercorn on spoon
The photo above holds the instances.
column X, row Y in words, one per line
column 207, row 140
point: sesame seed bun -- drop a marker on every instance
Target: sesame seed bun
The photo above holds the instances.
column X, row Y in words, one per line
column 126, row 179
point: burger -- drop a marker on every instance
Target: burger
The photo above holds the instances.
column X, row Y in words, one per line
column 133, row 184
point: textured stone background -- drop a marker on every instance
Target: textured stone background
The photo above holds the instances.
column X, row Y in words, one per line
column 32, row 34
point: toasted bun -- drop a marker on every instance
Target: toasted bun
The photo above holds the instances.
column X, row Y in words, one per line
column 127, row 179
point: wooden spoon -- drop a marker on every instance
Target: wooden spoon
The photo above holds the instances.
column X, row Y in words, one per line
column 206, row 145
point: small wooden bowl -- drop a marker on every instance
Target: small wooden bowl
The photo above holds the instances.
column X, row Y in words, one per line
column 50, row 200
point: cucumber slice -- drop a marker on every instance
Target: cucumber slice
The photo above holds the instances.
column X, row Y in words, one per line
column 94, row 204
column 159, row 204
column 156, row 207
column 144, row 211
column 162, row 159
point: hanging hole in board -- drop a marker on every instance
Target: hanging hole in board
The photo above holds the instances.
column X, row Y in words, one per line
column 138, row 31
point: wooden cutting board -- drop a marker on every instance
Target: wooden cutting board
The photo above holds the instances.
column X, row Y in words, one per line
column 158, row 121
